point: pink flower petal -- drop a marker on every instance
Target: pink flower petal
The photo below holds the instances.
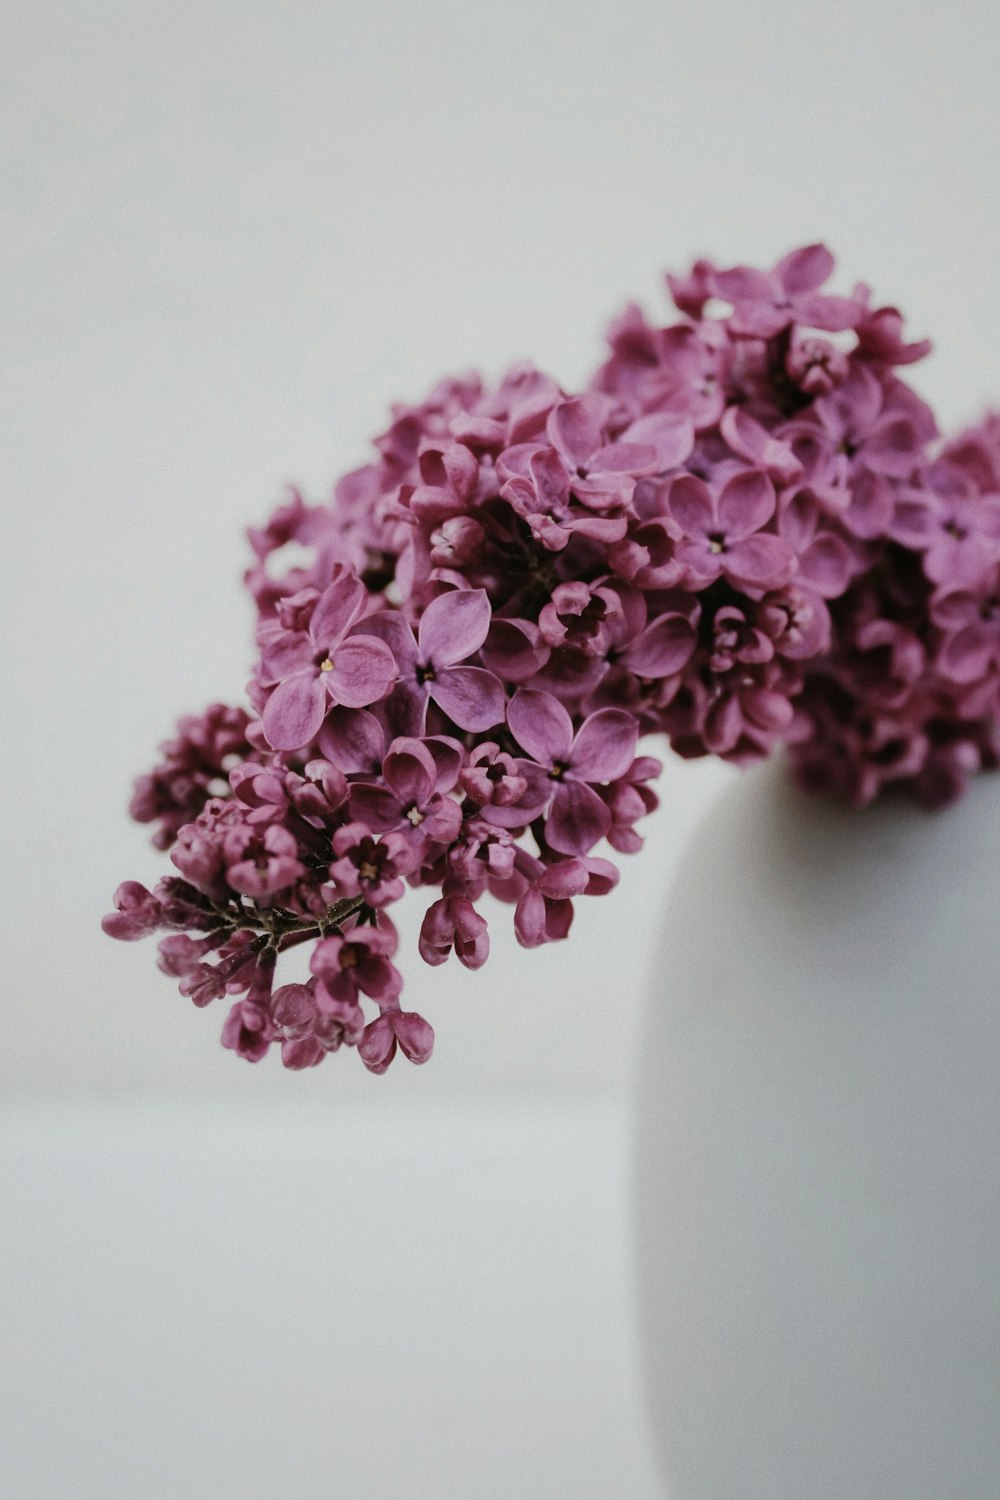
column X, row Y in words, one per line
column 871, row 507
column 572, row 429
column 353, row 740
column 604, row 747
column 471, row 697
column 393, row 628
column 744, row 284
column 827, row 565
column 578, row 818
column 377, row 1046
column 409, row 771
column 336, row 610
column 662, row 649
column 832, row 314
column 364, row 669
column 541, row 726
column 893, row 447
column 746, row 503
column 625, row 458
column 414, row 1035
column 289, row 652
column 671, row 435
column 762, row 561
column 804, row 270
column 510, row 651
column 690, row 502
column 454, row 626
column 295, row 711
column 375, row 806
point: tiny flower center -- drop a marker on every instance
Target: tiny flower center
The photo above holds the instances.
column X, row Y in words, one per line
column 953, row 529
column 716, row 542
column 367, row 871
column 326, row 665
column 348, row 958
column 425, row 674
column 414, row 815
column 558, row 771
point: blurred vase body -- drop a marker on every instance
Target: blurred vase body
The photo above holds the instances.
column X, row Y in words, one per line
column 818, row 1174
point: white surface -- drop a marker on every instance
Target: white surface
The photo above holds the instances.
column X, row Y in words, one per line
column 233, row 233
column 412, row 1303
column 819, row 1150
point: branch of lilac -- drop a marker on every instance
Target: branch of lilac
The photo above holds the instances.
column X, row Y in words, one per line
column 745, row 532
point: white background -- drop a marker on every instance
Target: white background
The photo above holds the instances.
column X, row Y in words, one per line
column 232, row 235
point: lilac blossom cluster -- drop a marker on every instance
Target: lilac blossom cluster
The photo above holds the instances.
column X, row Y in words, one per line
column 745, row 532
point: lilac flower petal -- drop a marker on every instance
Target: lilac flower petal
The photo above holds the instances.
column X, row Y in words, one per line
column 752, row 442
column 448, row 757
column 364, row 670
column 662, row 649
column 295, row 711
column 541, row 726
column 414, row 1035
column 746, row 503
column 529, row 919
column 854, row 407
column 293, row 1010
column 625, row 458
column 454, row 626
column 564, row 880
column 577, row 819
column 744, row 284
column 471, row 697
column 377, row 1046
column 353, row 739
column 550, row 480
column 393, row 628
column 539, row 788
column 405, row 709
column 832, row 314
column 138, row 913
column 336, row 610
column 892, row 447
column 670, row 434
column 409, row 771
column 760, row 320
column 376, row 806
column 870, row 511
column 289, row 652
column 805, row 269
column 759, row 561
column 604, row 748
column 690, row 502
column 702, row 564
column 510, row 650
column 967, row 656
column 300, row 1053
column 827, row 565
column 572, row 429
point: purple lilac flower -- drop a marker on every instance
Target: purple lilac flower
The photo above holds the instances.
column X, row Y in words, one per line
column 452, row 629
column 564, row 766
column 724, row 536
column 317, row 664
column 766, row 302
column 744, row 533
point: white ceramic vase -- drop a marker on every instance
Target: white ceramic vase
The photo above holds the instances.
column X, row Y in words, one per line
column 818, row 1172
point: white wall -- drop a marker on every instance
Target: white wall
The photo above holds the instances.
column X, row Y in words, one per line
column 233, row 234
